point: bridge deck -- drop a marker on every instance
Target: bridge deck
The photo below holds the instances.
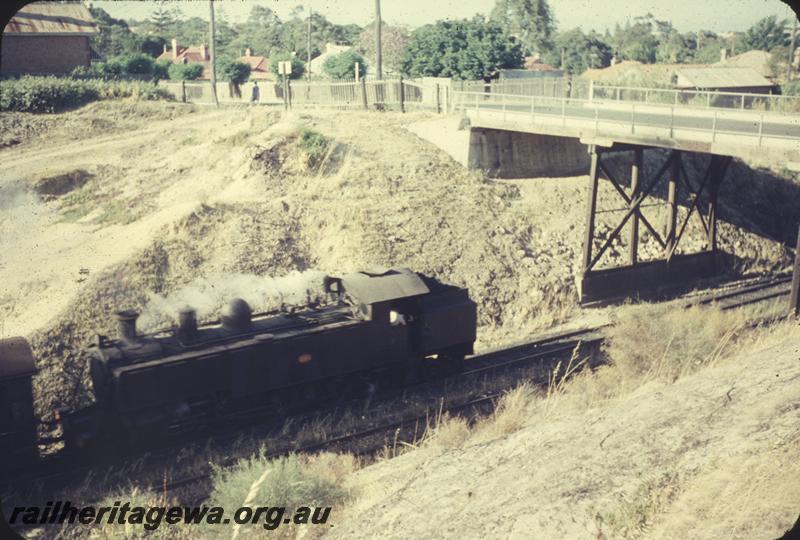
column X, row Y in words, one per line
column 762, row 139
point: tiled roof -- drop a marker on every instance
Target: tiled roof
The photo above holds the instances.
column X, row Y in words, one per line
column 256, row 63
column 52, row 19
column 758, row 60
column 720, row 77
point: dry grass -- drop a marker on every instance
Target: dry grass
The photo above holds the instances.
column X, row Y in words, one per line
column 661, row 342
column 450, row 432
column 633, row 513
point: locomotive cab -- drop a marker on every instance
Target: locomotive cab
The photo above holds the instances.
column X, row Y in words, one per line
column 17, row 420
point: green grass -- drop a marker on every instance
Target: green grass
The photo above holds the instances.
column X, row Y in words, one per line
column 315, row 146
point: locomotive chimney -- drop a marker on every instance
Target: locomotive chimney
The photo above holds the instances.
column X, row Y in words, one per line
column 187, row 323
column 127, row 325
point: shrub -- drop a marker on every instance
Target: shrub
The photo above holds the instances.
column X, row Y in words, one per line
column 298, row 68
column 791, row 88
column 45, row 94
column 111, row 69
column 138, row 64
column 161, row 70
column 233, row 71
column 185, row 72
column 291, row 482
column 314, row 145
column 53, row 94
column 342, row 65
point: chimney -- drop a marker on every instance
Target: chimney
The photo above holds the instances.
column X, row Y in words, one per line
column 126, row 321
column 248, row 51
column 723, row 54
column 187, row 324
column 174, row 49
column 203, row 52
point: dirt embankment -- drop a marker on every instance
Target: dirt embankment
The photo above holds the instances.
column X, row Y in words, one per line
column 714, row 455
column 211, row 194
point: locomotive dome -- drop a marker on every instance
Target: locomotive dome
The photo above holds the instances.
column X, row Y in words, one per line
column 238, row 314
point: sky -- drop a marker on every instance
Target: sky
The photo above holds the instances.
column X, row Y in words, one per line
column 686, row 15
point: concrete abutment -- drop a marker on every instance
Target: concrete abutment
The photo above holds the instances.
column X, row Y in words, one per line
column 513, row 154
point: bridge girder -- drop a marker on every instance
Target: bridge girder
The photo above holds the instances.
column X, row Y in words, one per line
column 671, row 269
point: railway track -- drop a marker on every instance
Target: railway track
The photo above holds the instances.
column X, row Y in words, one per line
column 543, row 353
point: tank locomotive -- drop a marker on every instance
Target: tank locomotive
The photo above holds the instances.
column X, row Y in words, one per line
column 384, row 327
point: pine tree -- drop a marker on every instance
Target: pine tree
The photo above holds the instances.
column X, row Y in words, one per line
column 163, row 17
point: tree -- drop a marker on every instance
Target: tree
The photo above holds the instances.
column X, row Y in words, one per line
column 261, row 32
column 163, row 17
column 765, row 35
column 298, row 68
column 580, row 51
column 530, row 21
column 675, row 48
column 708, row 48
column 113, row 37
column 342, row 65
column 394, row 39
column 462, row 49
column 778, row 62
column 152, row 45
column 636, row 41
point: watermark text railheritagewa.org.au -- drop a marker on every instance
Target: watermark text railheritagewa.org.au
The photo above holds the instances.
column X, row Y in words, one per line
column 152, row 517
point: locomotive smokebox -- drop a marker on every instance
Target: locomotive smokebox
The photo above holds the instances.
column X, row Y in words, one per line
column 237, row 316
column 187, row 323
column 126, row 321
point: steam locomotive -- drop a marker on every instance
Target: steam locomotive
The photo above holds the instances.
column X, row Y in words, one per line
column 381, row 327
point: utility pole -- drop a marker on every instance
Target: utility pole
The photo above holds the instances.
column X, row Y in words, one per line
column 378, row 46
column 308, row 58
column 790, row 66
column 213, row 56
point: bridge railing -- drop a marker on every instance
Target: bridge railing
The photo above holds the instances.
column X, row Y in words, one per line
column 559, row 111
column 773, row 103
column 583, row 89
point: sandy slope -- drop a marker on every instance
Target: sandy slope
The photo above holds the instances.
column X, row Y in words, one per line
column 214, row 195
column 715, row 455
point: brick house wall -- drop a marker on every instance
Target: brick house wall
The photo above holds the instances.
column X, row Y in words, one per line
column 43, row 54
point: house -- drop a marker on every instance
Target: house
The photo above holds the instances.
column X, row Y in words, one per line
column 757, row 60
column 534, row 68
column 188, row 55
column 259, row 66
column 534, row 63
column 633, row 73
column 723, row 79
column 331, row 49
column 47, row 38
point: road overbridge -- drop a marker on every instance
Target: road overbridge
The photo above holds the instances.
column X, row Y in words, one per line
column 517, row 136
